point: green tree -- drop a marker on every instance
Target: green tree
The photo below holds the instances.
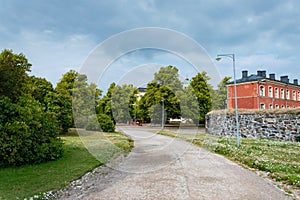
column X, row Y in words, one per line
column 84, row 99
column 219, row 98
column 40, row 89
column 189, row 105
column 168, row 76
column 103, row 105
column 28, row 133
column 202, row 91
column 100, row 122
column 13, row 74
column 123, row 98
column 163, row 89
column 62, row 100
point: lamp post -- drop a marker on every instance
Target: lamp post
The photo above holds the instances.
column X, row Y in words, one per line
column 235, row 95
column 162, row 113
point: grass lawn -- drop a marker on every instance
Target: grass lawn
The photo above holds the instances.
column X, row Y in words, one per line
column 27, row 181
column 280, row 159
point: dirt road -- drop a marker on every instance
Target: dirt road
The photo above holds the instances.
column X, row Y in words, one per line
column 160, row 167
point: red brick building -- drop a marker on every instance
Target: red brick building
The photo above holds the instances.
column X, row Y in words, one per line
column 258, row 91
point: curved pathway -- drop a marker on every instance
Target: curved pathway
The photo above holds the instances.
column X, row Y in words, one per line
column 160, row 167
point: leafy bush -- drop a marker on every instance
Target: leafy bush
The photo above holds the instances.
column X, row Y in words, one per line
column 106, row 123
column 93, row 124
column 27, row 134
column 100, row 123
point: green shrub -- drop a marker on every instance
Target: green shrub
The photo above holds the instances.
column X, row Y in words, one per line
column 28, row 135
column 93, row 124
column 100, row 123
column 106, row 123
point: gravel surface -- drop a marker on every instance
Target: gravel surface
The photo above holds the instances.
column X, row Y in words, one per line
column 160, row 167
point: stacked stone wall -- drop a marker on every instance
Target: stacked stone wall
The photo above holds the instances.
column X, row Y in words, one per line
column 255, row 125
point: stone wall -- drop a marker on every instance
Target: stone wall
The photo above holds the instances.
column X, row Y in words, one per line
column 282, row 126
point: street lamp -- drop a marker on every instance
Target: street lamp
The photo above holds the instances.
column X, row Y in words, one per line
column 235, row 95
column 162, row 113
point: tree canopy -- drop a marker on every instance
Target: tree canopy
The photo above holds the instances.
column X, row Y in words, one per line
column 28, row 130
column 203, row 93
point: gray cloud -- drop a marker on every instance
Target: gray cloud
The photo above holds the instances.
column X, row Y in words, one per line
column 261, row 33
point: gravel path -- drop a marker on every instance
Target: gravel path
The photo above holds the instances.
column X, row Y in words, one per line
column 160, row 167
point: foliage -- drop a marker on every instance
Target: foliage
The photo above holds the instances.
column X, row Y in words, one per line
column 189, row 105
column 165, row 88
column 28, row 135
column 74, row 99
column 62, row 100
column 168, row 76
column 13, row 73
column 84, row 100
column 106, row 123
column 202, row 91
column 37, row 180
column 100, row 122
column 40, row 88
column 219, row 97
column 151, row 103
column 28, row 131
column 103, row 105
column 123, row 98
column 93, row 124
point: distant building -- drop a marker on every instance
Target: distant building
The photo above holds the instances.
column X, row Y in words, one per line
column 258, row 91
column 141, row 92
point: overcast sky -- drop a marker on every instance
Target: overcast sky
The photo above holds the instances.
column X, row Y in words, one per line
column 57, row 35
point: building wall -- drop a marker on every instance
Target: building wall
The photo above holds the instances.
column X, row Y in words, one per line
column 282, row 126
column 256, row 95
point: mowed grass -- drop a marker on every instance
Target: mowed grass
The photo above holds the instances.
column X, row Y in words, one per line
column 27, row 181
column 280, row 159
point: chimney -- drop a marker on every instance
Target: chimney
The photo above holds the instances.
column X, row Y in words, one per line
column 258, row 73
column 295, row 81
column 272, row 76
column 263, row 73
column 284, row 79
column 244, row 74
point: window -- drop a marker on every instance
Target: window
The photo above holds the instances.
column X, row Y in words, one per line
column 261, row 91
column 287, row 94
column 276, row 93
column 294, row 96
column 287, row 106
column 298, row 96
column 270, row 91
column 262, row 106
column 271, row 106
column 282, row 93
column 282, row 106
column 277, row 106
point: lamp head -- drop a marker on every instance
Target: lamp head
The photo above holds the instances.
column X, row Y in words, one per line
column 218, row 59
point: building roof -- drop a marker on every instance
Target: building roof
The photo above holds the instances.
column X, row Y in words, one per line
column 262, row 75
column 142, row 89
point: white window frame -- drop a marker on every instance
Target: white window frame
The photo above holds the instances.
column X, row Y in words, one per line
column 282, row 93
column 270, row 91
column 262, row 91
column 294, row 96
column 276, row 93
